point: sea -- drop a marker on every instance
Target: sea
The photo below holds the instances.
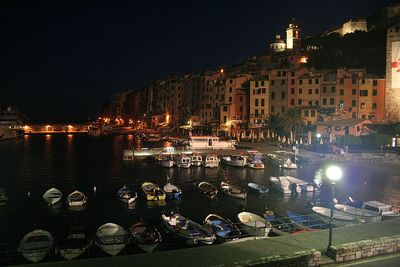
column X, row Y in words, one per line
column 93, row 165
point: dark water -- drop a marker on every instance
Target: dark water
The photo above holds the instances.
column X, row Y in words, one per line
column 36, row 163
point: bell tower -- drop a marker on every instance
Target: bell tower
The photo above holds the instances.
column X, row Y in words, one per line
column 293, row 40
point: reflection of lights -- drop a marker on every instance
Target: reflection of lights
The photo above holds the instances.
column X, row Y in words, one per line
column 48, row 137
column 26, row 136
column 70, row 135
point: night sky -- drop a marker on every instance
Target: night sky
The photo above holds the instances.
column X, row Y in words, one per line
column 63, row 59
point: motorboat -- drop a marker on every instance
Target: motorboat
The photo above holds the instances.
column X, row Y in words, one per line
column 233, row 190
column 210, row 142
column 126, row 195
column 145, row 236
column 262, row 189
column 35, row 245
column 172, row 191
column 289, row 184
column 222, row 228
column 283, row 226
column 255, row 160
column 311, row 221
column 187, row 229
column 166, row 160
column 385, row 210
column 197, row 160
column 52, row 196
column 289, row 164
column 75, row 244
column 283, row 159
column 236, row 160
column 153, row 191
column 183, row 161
column 3, row 196
column 208, row 189
column 76, row 199
column 111, row 238
column 360, row 213
column 254, row 225
column 10, row 124
column 340, row 218
column 211, row 161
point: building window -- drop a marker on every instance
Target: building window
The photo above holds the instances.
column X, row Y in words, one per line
column 292, row 91
column 225, row 119
column 353, row 115
column 316, row 91
column 353, row 81
column 262, row 83
column 375, row 92
column 306, row 113
column 316, row 81
column 332, row 101
column 272, row 109
column 354, row 92
column 292, row 102
column 262, row 102
column 225, row 109
column 263, row 90
column 317, row 103
column 353, row 103
column 310, row 103
column 362, row 105
column 230, row 89
column 300, row 81
column 333, row 89
column 324, row 101
column 341, row 103
column 272, row 95
column 292, row 81
column 374, row 106
column 272, row 82
column 283, row 95
column 374, row 82
column 312, row 113
column 256, row 111
column 363, row 92
column 324, row 89
column 341, row 91
column 256, row 84
column 258, row 91
column 341, row 81
column 262, row 112
column 283, row 82
column 230, row 99
column 231, row 81
column 309, row 81
column 300, row 91
column 363, row 81
column 310, row 91
column 254, row 91
column 299, row 102
column 256, row 104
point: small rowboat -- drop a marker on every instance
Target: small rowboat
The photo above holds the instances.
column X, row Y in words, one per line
column 262, row 189
column 233, row 190
column 146, row 237
column 153, row 191
column 126, row 195
column 254, row 225
column 223, row 228
column 172, row 191
column 208, row 189
column 52, row 196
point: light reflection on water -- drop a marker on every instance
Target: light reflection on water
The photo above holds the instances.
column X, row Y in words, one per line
column 36, row 163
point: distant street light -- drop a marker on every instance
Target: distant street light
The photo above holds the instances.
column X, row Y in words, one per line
column 319, row 139
column 334, row 173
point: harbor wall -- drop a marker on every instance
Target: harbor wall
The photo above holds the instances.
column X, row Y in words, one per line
column 364, row 249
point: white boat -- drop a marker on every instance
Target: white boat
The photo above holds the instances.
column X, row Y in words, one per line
column 35, row 245
column 197, row 160
column 183, row 161
column 190, row 231
column 111, row 238
column 236, row 161
column 283, row 159
column 75, row 244
column 289, row 164
column 340, row 218
column 377, row 207
column 3, row 196
column 52, row 196
column 360, row 213
column 289, row 184
column 254, row 225
column 171, row 190
column 76, row 199
column 126, row 195
column 211, row 161
column 255, row 161
column 210, row 142
column 166, row 160
column 10, row 124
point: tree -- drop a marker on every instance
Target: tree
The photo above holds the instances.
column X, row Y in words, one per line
column 291, row 121
column 273, row 122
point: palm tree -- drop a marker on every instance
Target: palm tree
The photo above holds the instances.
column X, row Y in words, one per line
column 273, row 122
column 291, row 121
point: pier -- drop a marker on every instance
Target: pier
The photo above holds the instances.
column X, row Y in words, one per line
column 56, row 128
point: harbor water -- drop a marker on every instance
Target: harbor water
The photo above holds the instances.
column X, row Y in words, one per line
column 94, row 166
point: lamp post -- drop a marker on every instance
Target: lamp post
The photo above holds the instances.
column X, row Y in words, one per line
column 334, row 173
column 319, row 139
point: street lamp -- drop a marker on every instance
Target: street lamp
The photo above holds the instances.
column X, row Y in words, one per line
column 334, row 173
column 319, row 139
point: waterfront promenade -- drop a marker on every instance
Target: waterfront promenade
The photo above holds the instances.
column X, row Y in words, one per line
column 246, row 252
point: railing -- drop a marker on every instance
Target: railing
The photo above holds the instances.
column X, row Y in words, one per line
column 10, row 255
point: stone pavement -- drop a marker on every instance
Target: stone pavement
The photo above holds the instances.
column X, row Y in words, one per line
column 229, row 253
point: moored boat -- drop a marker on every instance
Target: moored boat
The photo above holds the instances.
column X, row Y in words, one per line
column 171, row 190
column 308, row 220
column 283, row 226
column 145, row 236
column 153, row 191
column 233, row 190
column 35, row 245
column 76, row 199
column 183, row 161
column 211, row 161
column 52, row 196
column 126, row 195
column 236, row 160
column 254, row 225
column 385, row 210
column 340, row 218
column 289, row 184
column 262, row 189
column 222, row 228
column 255, row 160
column 359, row 213
column 111, row 238
column 75, row 244
column 166, row 160
column 187, row 229
column 196, row 160
column 208, row 189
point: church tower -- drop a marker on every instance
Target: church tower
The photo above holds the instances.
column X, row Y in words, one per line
column 293, row 40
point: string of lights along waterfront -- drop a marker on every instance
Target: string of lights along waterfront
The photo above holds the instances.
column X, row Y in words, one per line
column 33, row 164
